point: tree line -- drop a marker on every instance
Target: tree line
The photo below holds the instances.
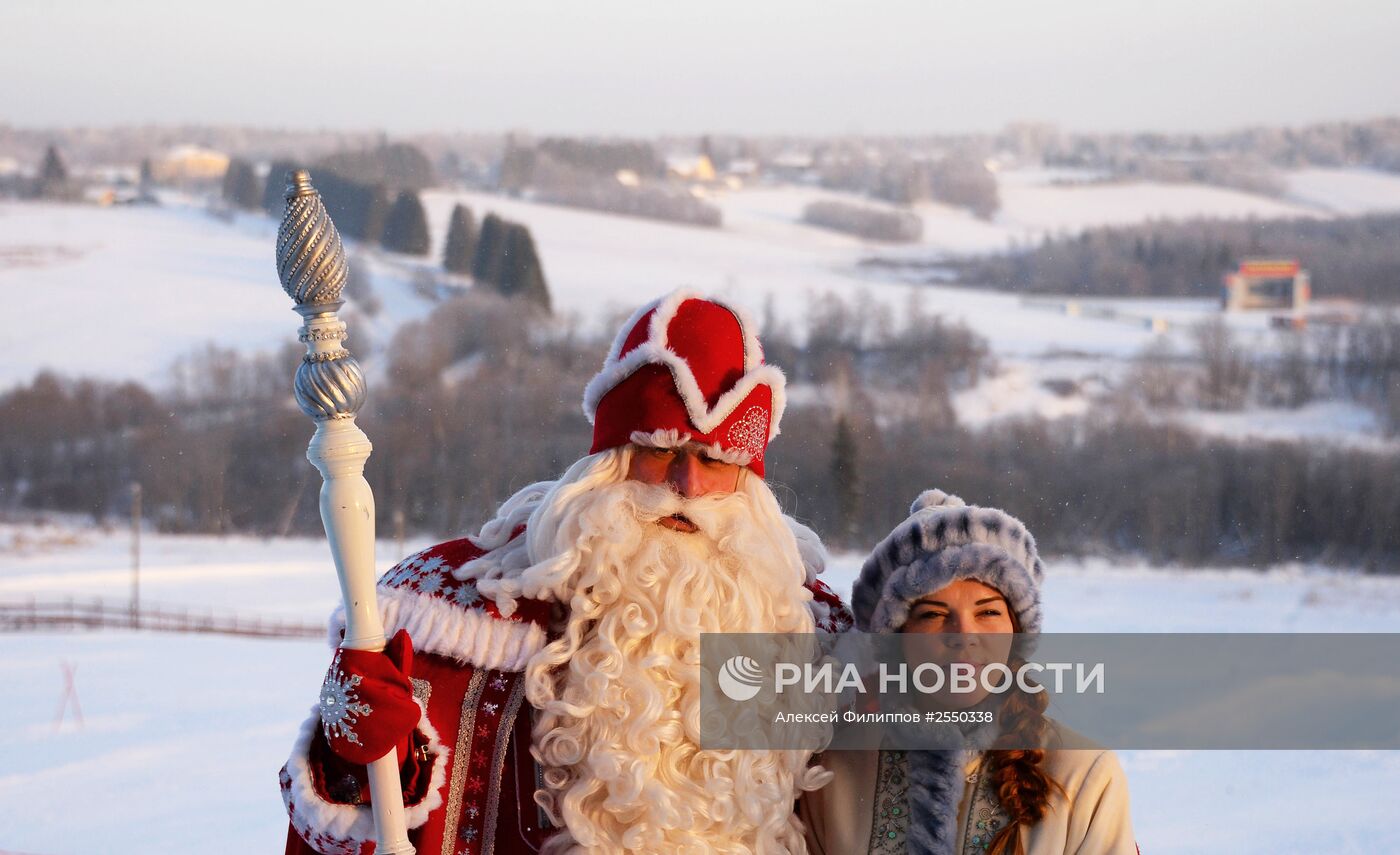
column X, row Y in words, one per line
column 1106, row 485
column 866, row 221
column 1358, row 363
column 584, row 174
column 906, row 176
column 1354, row 257
column 480, row 399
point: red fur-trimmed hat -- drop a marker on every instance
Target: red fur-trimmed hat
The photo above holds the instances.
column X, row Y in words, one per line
column 687, row 369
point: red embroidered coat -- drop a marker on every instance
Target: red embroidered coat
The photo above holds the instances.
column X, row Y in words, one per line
column 469, row 781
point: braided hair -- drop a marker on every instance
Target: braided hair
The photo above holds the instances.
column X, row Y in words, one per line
column 1022, row 786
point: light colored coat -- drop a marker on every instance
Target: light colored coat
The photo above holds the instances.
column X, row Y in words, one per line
column 1092, row 818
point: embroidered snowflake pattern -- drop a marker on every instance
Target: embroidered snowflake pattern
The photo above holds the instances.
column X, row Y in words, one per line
column 750, row 432
column 429, row 574
column 406, row 569
column 430, row 583
column 432, row 564
column 467, row 594
column 341, row 707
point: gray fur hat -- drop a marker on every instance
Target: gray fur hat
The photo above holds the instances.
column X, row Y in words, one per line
column 944, row 540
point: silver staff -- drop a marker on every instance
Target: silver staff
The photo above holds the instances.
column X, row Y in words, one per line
column 330, row 387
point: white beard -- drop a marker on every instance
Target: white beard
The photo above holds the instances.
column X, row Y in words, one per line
column 618, row 693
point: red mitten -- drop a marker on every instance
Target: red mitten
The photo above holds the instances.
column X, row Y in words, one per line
column 367, row 706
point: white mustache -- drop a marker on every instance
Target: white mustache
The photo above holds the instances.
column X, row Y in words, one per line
column 652, row 502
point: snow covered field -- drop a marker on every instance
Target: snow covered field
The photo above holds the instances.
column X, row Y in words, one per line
column 1345, row 191
column 1032, row 208
column 121, row 292
column 183, row 735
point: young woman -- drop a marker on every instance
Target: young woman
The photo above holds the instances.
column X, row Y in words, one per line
column 953, row 568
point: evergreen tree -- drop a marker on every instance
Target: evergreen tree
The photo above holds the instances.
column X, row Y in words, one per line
column 54, row 170
column 53, row 176
column 461, row 241
column 489, row 260
column 524, row 274
column 406, row 229
column 507, row 262
column 241, row 185
column 845, row 481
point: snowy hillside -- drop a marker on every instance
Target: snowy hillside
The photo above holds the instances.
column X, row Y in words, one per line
column 1346, row 191
column 182, row 736
column 123, row 292
column 1031, row 207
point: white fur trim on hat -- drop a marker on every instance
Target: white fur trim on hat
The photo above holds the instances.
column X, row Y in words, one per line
column 655, row 350
column 672, row 438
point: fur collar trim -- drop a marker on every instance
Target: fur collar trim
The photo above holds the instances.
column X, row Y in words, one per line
column 469, row 635
column 936, row 785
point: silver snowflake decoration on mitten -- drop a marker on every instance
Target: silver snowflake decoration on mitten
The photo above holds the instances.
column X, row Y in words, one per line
column 341, row 706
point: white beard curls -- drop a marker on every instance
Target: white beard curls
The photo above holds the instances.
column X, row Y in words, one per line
column 618, row 693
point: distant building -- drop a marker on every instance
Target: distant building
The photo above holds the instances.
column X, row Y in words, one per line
column 1030, row 142
column 691, row 168
column 189, row 163
column 1267, row 283
column 790, row 165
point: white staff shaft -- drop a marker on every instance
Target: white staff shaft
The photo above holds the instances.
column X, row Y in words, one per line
column 339, row 450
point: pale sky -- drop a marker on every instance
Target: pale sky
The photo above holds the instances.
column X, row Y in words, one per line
column 641, row 68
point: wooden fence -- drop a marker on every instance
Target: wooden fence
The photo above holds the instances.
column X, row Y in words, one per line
column 71, row 613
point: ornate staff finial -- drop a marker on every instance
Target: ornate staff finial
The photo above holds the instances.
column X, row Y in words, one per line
column 310, row 258
column 311, row 265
